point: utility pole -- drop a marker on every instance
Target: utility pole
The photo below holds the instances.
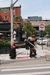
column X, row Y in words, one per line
column 12, row 4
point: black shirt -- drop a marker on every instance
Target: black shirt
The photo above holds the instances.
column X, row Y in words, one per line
column 31, row 43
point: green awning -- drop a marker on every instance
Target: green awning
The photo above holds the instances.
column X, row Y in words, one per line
column 5, row 26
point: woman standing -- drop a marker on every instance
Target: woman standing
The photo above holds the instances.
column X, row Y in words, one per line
column 32, row 47
column 13, row 51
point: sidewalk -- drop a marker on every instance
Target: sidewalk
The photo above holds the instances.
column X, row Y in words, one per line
column 23, row 53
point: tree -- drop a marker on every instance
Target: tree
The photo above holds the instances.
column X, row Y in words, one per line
column 47, row 29
column 18, row 18
column 19, row 21
column 29, row 28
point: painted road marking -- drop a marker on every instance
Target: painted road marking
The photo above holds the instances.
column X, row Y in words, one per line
column 25, row 68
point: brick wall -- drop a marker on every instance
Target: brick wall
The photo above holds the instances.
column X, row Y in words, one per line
column 6, row 16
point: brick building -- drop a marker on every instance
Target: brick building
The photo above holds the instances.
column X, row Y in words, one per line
column 5, row 18
column 5, row 13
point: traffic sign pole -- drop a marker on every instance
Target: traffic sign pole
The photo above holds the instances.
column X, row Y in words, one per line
column 12, row 4
column 42, row 38
column 42, row 28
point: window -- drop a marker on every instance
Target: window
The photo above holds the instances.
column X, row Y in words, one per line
column 5, row 18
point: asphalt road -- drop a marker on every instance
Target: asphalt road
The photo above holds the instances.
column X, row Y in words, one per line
column 25, row 62
column 29, row 70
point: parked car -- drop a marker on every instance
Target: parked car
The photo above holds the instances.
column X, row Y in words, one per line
column 37, row 37
column 48, row 43
column 41, row 41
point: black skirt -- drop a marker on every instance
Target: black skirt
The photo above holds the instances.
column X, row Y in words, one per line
column 13, row 53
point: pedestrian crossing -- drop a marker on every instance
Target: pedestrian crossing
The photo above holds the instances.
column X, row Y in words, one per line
column 42, row 70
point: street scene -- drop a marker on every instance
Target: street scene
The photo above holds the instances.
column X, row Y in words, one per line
column 24, row 37
column 23, row 64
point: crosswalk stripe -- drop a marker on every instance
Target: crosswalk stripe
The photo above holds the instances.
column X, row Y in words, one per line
column 25, row 68
column 33, row 73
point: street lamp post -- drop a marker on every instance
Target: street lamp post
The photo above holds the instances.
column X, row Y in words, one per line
column 11, row 21
column 12, row 4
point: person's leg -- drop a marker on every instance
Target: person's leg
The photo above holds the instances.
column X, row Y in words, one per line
column 34, row 52
column 30, row 52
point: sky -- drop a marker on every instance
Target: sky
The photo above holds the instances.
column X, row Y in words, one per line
column 31, row 7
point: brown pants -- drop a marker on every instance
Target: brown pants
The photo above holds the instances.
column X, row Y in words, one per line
column 32, row 52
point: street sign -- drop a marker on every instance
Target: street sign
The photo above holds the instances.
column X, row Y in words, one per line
column 41, row 27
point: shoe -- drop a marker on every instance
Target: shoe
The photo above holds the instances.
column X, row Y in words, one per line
column 35, row 57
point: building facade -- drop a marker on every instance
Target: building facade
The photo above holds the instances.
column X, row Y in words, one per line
column 5, row 19
column 37, row 21
column 35, row 18
column 5, row 13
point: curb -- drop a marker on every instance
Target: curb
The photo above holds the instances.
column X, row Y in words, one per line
column 18, row 60
column 22, row 56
